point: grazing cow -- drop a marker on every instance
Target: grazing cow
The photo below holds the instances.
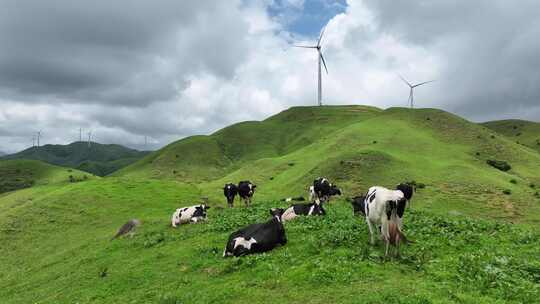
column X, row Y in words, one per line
column 358, row 204
column 376, row 202
column 191, row 214
column 303, row 209
column 128, row 228
column 322, row 190
column 407, row 190
column 246, row 189
column 257, row 237
column 230, row 190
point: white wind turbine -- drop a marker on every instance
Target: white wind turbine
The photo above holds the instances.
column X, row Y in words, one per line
column 411, row 92
column 320, row 59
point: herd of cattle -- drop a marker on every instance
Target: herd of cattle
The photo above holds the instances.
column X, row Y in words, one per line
column 382, row 208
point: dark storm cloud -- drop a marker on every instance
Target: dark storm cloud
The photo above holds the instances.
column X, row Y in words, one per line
column 490, row 47
column 121, row 52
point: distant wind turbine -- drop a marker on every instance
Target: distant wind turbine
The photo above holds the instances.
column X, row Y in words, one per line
column 38, row 137
column 320, row 59
column 89, row 138
column 411, row 87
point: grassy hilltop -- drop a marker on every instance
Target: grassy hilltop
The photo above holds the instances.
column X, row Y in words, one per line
column 521, row 131
column 98, row 159
column 473, row 243
column 19, row 174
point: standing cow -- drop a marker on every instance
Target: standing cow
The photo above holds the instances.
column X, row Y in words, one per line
column 230, row 190
column 246, row 189
column 303, row 209
column 191, row 214
column 257, row 237
column 376, row 202
column 322, row 190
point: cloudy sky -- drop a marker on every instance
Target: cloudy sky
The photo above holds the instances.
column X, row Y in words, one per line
column 167, row 69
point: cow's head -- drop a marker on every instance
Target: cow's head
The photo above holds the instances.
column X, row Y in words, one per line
column 334, row 190
column 204, row 207
column 277, row 212
column 407, row 189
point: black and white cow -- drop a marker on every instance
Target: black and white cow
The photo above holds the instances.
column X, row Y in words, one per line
column 358, row 204
column 246, row 189
column 376, row 202
column 407, row 190
column 322, row 190
column 303, row 209
column 230, row 190
column 257, row 237
column 191, row 214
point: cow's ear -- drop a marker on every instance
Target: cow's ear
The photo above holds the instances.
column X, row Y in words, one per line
column 206, row 207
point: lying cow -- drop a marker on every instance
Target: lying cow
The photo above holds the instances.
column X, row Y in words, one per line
column 303, row 209
column 375, row 204
column 230, row 190
column 191, row 214
column 246, row 189
column 257, row 237
column 358, row 204
column 407, row 190
column 322, row 190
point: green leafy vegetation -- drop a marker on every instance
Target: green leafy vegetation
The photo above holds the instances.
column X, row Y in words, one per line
column 97, row 159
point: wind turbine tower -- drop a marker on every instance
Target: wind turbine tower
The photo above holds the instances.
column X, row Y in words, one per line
column 89, row 138
column 320, row 59
column 410, row 101
column 38, row 137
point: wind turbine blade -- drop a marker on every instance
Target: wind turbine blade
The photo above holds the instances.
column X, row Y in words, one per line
column 320, row 37
column 305, row 46
column 417, row 85
column 405, row 81
column 324, row 63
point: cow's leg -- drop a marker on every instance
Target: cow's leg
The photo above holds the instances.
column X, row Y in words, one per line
column 372, row 241
column 387, row 248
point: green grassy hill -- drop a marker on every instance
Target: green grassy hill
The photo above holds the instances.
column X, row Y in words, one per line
column 19, row 174
column 521, row 131
column 98, row 159
column 473, row 243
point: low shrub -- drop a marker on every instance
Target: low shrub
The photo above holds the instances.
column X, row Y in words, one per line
column 499, row 164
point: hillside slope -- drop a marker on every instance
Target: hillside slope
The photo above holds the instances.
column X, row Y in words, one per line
column 98, row 159
column 474, row 228
column 359, row 147
column 19, row 174
column 60, row 252
column 522, row 131
column 200, row 158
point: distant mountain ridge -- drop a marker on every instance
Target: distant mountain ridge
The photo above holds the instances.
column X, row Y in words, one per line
column 95, row 158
